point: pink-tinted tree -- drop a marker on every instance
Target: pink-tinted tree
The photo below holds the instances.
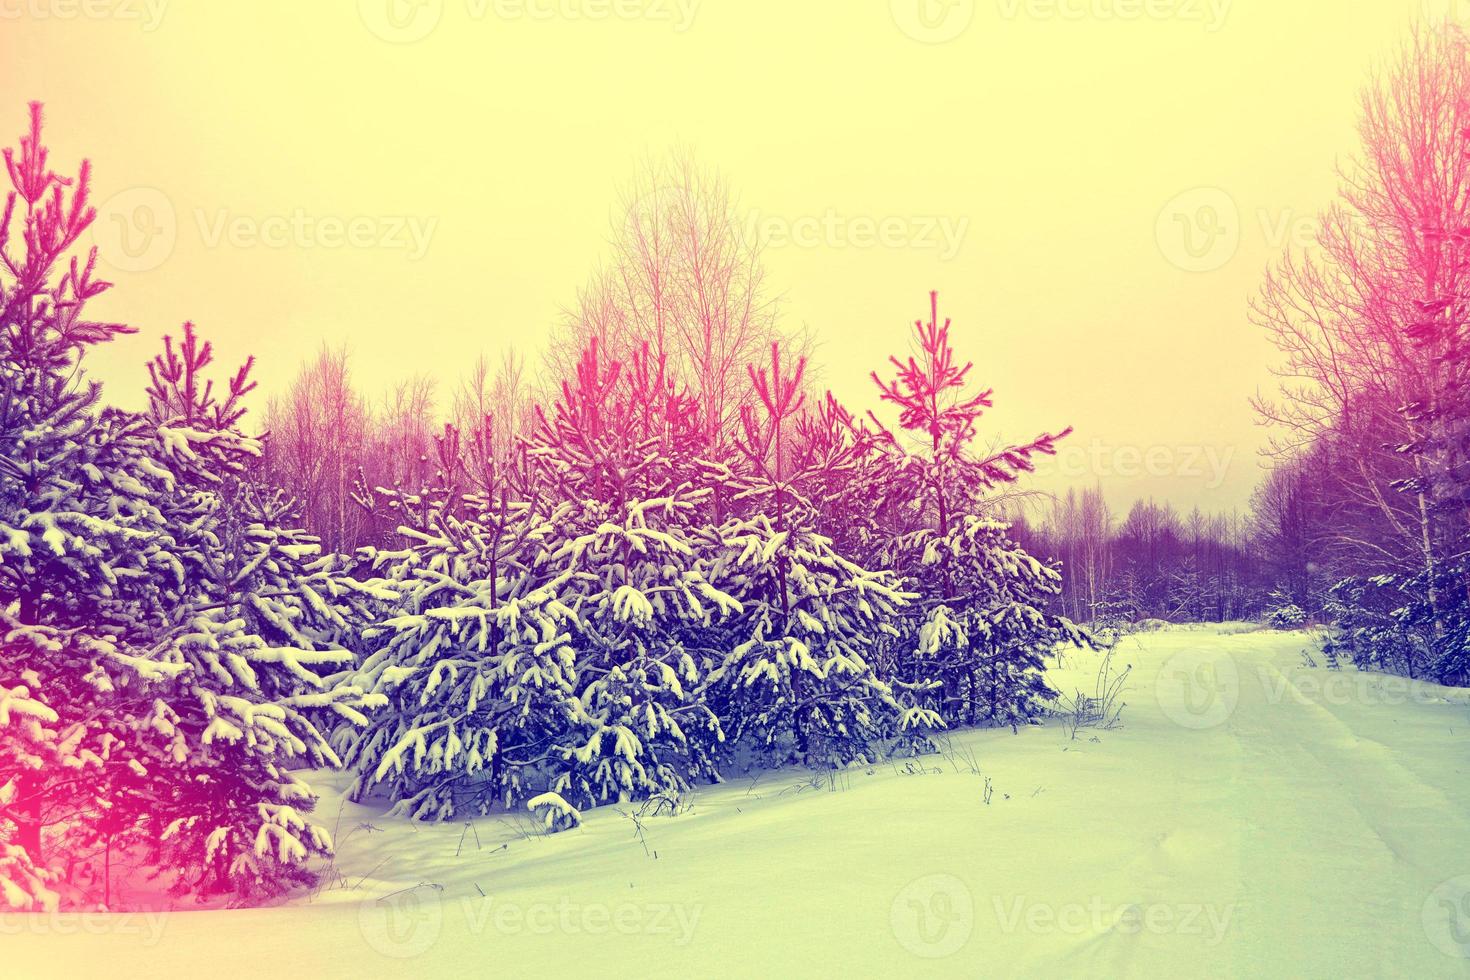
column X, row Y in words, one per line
column 155, row 715
column 261, row 634
column 797, row 682
column 620, row 447
column 473, row 657
column 973, row 642
column 74, row 524
column 1372, row 328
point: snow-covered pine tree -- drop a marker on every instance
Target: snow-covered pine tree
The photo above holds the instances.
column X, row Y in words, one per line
column 262, row 628
column 843, row 477
column 28, row 740
column 169, row 721
column 975, row 639
column 619, row 446
column 475, row 660
column 82, row 548
column 1437, row 598
column 285, row 588
column 1381, row 622
column 23, row 886
column 796, row 683
column 549, row 639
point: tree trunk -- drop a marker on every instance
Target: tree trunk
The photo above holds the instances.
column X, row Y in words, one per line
column 27, row 819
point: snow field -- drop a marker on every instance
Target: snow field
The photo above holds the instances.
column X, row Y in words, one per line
column 1254, row 816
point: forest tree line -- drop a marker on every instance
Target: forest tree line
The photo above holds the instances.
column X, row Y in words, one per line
column 677, row 562
column 1358, row 524
column 664, row 554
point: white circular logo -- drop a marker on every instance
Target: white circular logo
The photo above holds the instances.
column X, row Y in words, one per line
column 402, row 925
column 658, row 210
column 1199, row 230
column 933, row 916
column 933, row 21
column 1198, row 688
column 1446, row 916
column 401, row 21
column 136, row 229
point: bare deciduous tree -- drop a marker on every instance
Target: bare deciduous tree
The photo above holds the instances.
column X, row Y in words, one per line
column 686, row 279
column 318, row 432
column 1368, row 325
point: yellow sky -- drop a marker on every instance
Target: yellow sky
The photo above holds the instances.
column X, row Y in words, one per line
column 1095, row 186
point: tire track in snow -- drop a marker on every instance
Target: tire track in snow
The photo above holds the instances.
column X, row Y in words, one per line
column 1339, row 821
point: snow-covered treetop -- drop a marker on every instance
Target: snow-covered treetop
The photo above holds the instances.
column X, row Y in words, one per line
column 41, row 323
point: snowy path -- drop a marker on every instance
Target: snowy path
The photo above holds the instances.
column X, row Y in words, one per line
column 1254, row 817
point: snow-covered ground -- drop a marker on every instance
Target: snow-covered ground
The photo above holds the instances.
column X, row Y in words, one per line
column 1254, row 816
